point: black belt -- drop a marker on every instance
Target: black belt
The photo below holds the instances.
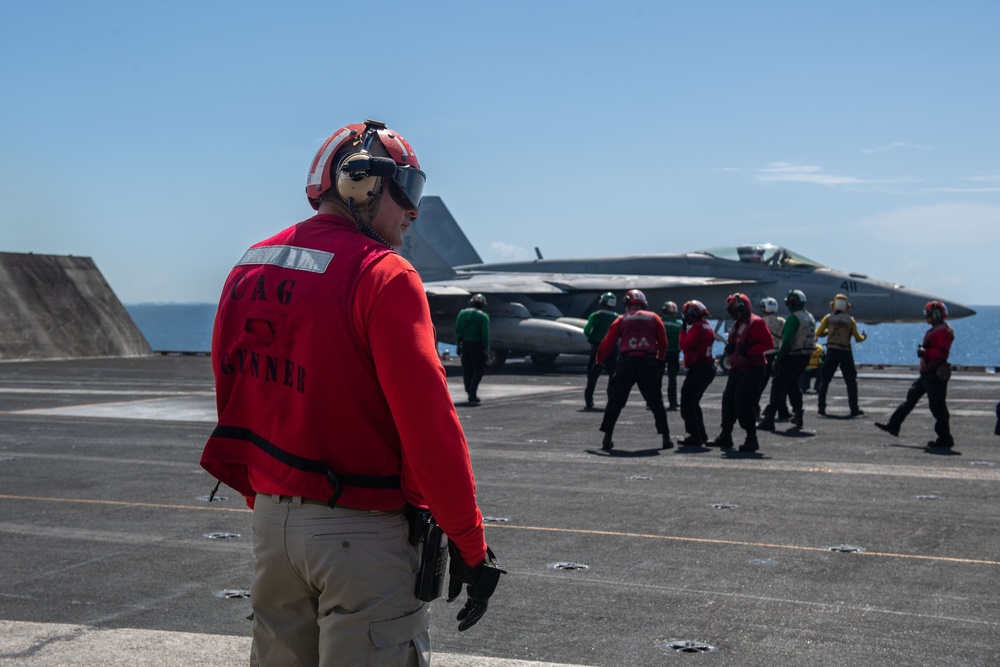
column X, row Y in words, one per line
column 303, row 499
column 337, row 480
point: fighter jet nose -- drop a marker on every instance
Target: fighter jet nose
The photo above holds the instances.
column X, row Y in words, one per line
column 908, row 305
column 957, row 310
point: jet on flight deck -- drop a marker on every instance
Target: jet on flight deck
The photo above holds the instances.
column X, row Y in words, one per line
column 539, row 307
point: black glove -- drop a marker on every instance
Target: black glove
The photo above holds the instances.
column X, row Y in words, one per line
column 480, row 582
column 458, row 348
column 920, row 351
column 744, row 347
column 730, row 348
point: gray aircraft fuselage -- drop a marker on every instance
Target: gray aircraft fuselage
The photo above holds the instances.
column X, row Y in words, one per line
column 583, row 280
column 539, row 307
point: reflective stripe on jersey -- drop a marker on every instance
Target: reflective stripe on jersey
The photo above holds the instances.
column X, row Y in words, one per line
column 288, row 257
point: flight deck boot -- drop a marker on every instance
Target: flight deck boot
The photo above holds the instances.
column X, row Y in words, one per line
column 796, row 419
column 767, row 423
column 724, row 441
column 607, row 445
column 889, row 428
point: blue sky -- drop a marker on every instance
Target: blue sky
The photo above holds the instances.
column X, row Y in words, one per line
column 163, row 138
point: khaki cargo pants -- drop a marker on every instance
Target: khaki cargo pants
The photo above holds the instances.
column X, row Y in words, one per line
column 334, row 587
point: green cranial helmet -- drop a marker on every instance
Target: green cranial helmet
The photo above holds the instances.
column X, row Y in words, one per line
column 795, row 299
column 609, row 299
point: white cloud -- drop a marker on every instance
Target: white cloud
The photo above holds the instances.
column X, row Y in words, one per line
column 949, row 224
column 894, row 146
column 776, row 172
column 969, row 190
column 501, row 251
column 991, row 181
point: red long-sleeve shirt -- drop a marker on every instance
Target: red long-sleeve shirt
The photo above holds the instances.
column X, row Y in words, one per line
column 937, row 346
column 750, row 339
column 323, row 348
column 636, row 332
column 696, row 344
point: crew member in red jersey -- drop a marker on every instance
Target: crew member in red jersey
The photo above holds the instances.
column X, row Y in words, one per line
column 641, row 340
column 935, row 371
column 336, row 427
column 696, row 340
column 749, row 338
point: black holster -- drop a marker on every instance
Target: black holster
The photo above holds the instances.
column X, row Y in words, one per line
column 427, row 535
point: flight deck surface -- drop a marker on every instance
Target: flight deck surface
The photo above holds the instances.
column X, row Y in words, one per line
column 838, row 545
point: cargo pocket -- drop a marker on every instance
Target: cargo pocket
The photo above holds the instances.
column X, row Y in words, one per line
column 401, row 641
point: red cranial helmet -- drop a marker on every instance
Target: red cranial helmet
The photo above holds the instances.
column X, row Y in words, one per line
column 737, row 304
column 347, row 162
column 694, row 311
column 935, row 311
column 635, row 296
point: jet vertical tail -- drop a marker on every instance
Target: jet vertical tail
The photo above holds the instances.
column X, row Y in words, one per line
column 435, row 242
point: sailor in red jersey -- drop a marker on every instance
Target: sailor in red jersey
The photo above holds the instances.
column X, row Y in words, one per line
column 336, row 424
column 935, row 371
column 696, row 340
column 749, row 339
column 641, row 340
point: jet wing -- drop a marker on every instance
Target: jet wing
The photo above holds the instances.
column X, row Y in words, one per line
column 567, row 283
column 492, row 283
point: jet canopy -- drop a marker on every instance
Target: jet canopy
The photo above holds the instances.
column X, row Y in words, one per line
column 768, row 254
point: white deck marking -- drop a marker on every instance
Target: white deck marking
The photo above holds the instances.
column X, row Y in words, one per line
column 43, row 644
column 200, row 406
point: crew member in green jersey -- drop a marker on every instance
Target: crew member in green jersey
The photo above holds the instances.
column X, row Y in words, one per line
column 595, row 329
column 672, row 323
column 472, row 335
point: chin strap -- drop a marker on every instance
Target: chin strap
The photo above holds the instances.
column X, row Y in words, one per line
column 364, row 227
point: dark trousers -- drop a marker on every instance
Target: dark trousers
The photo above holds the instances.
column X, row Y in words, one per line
column 648, row 374
column 844, row 359
column 473, row 366
column 937, row 394
column 785, row 384
column 739, row 400
column 807, row 377
column 594, row 372
column 695, row 383
column 783, row 408
column 673, row 368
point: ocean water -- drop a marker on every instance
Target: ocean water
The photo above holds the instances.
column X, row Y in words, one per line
column 188, row 328
column 175, row 327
